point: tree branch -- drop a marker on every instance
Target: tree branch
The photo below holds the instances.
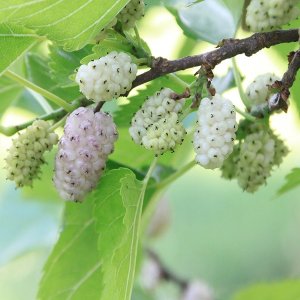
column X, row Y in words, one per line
column 227, row 49
column 290, row 75
column 55, row 115
column 166, row 274
column 279, row 101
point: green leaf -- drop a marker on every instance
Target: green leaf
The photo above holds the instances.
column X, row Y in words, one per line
column 38, row 72
column 73, row 270
column 285, row 290
column 195, row 2
column 136, row 155
column 12, row 94
column 236, row 9
column 113, row 42
column 26, row 225
column 292, row 181
column 199, row 21
column 116, row 42
column 71, row 24
column 14, row 42
column 118, row 215
column 9, row 92
column 225, row 82
column 63, row 63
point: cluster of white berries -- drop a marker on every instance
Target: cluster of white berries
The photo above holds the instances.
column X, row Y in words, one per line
column 132, row 12
column 229, row 166
column 253, row 159
column 215, row 134
column 156, row 125
column 281, row 150
column 263, row 15
column 25, row 155
column 83, row 150
column 106, row 78
column 259, row 91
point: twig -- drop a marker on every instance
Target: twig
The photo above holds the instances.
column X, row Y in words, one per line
column 166, row 274
column 99, row 106
column 50, row 96
column 279, row 101
column 55, row 115
column 227, row 49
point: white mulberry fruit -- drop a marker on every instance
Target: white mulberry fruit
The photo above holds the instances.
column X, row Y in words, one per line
column 150, row 274
column 255, row 161
column 198, row 290
column 156, row 125
column 131, row 13
column 214, row 137
column 263, row 15
column 25, row 156
column 83, row 150
column 106, row 78
column 281, row 150
column 228, row 168
column 258, row 92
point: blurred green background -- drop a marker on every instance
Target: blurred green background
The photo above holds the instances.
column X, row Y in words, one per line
column 219, row 234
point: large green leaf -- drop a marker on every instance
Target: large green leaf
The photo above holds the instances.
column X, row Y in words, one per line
column 63, row 63
column 12, row 94
column 70, row 23
column 121, row 204
column 206, row 20
column 285, row 290
column 292, row 181
column 14, row 42
column 9, row 92
column 114, row 41
column 38, row 72
column 25, row 225
column 73, row 270
column 97, row 250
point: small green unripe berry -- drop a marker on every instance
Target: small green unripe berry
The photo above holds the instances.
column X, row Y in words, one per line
column 26, row 154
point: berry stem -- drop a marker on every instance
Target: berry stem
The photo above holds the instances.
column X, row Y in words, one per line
column 53, row 98
column 141, row 61
column 58, row 124
column 239, row 85
column 185, row 113
column 246, row 115
column 8, row 131
column 140, row 204
column 178, row 80
column 139, row 41
column 163, row 184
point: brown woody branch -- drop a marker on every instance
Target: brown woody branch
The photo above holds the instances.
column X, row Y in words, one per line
column 226, row 49
column 166, row 274
column 279, row 101
column 294, row 65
